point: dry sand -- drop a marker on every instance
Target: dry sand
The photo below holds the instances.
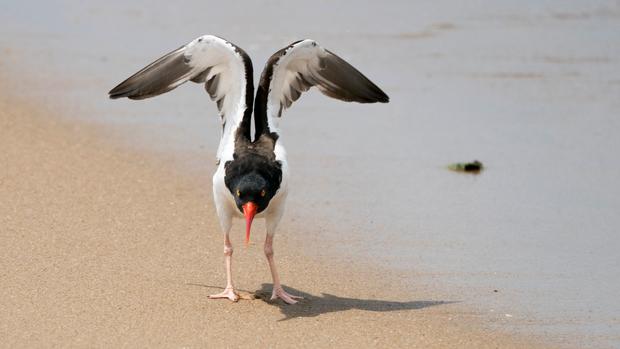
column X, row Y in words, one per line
column 101, row 246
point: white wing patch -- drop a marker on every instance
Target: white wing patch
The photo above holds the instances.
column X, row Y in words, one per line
column 287, row 81
column 225, row 80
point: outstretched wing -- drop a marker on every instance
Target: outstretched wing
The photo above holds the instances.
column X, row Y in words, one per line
column 303, row 64
column 225, row 69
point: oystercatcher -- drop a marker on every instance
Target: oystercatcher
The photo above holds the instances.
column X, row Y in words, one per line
column 252, row 174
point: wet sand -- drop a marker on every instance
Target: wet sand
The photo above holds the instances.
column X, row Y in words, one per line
column 102, row 246
column 528, row 88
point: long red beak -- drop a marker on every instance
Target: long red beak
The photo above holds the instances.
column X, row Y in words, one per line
column 249, row 210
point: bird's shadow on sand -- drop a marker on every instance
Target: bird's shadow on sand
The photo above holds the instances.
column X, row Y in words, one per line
column 311, row 305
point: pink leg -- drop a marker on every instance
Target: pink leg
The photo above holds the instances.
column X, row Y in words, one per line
column 278, row 291
column 229, row 292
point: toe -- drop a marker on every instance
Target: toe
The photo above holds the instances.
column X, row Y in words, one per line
column 283, row 295
column 227, row 293
column 288, row 300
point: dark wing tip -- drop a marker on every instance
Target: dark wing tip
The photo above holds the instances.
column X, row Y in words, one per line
column 374, row 94
column 159, row 77
column 343, row 81
column 383, row 98
column 122, row 90
column 117, row 93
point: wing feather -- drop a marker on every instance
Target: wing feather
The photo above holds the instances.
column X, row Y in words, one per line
column 219, row 64
column 304, row 64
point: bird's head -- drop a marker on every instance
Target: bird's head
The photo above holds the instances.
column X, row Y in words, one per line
column 252, row 194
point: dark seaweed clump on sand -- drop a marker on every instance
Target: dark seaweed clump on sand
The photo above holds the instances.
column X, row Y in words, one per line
column 472, row 167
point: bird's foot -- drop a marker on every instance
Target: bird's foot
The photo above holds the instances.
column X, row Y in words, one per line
column 229, row 292
column 278, row 292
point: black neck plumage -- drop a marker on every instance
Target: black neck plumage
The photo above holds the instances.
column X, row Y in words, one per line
column 245, row 127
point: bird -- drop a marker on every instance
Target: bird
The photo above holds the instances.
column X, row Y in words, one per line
column 252, row 176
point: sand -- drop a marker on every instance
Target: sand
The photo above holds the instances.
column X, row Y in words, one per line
column 104, row 246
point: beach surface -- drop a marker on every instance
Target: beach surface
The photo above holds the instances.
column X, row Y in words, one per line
column 529, row 246
column 101, row 246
